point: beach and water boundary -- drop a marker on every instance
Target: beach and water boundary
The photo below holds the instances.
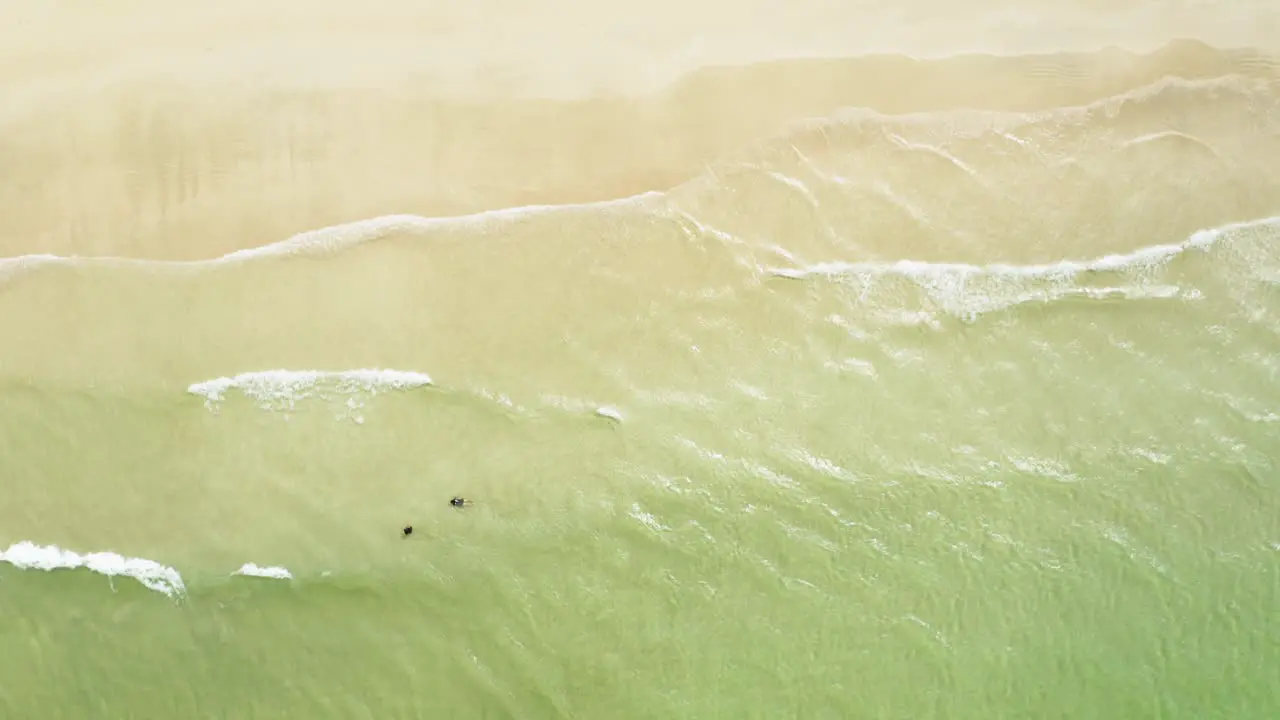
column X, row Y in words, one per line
column 861, row 386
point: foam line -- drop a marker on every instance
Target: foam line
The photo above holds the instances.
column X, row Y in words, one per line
column 332, row 239
column 273, row 572
column 283, row 388
column 29, row 556
column 13, row 266
column 609, row 413
column 1143, row 257
column 969, row 121
column 329, row 240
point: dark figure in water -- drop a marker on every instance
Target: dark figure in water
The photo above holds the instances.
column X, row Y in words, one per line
column 458, row 501
column 408, row 530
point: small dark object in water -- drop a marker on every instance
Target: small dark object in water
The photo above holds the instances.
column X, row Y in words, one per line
column 458, row 501
column 408, row 529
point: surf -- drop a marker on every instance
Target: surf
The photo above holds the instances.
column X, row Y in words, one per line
column 149, row 573
column 284, row 388
column 330, row 240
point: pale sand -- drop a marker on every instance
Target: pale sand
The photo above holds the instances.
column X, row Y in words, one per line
column 186, row 131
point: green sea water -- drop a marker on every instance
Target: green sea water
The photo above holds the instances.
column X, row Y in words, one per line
column 957, row 414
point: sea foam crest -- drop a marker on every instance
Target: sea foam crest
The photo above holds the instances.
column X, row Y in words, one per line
column 272, row 572
column 29, row 556
column 578, row 405
column 282, row 389
column 967, row 289
column 335, row 238
column 609, row 412
column 1146, row 257
column 13, row 266
column 328, row 240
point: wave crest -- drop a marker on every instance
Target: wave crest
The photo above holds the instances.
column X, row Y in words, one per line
column 271, row 572
column 967, row 290
column 282, row 389
column 153, row 575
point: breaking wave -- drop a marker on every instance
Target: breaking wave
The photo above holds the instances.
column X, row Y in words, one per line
column 282, row 389
column 328, row 241
column 153, row 575
column 271, row 572
column 968, row 290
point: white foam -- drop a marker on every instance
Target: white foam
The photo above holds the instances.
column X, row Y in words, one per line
column 795, row 184
column 966, row 288
column 935, row 151
column 851, row 364
column 647, row 519
column 502, row 400
column 29, row 556
column 610, row 413
column 331, row 239
column 580, row 405
column 11, row 267
column 272, row 572
column 969, row 122
column 706, row 230
column 1148, row 256
column 282, row 389
column 1167, row 135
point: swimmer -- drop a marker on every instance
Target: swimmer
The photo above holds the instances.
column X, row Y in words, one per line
column 408, row 530
column 458, row 501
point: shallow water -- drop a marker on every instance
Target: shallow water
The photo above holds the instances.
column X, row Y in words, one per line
column 861, row 387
